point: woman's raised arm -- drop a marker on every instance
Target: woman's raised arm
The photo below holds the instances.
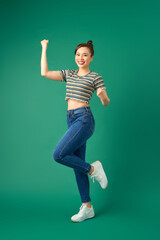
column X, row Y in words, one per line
column 53, row 75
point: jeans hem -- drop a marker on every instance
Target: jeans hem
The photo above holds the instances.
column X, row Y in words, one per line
column 84, row 201
column 89, row 169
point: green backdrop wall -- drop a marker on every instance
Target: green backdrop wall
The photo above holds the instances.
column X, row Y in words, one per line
column 37, row 195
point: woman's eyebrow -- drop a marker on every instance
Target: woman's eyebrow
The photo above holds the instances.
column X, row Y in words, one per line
column 84, row 53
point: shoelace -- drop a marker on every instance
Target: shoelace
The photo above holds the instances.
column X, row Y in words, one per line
column 93, row 177
column 81, row 207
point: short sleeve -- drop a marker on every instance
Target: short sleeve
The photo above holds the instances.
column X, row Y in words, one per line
column 64, row 74
column 98, row 82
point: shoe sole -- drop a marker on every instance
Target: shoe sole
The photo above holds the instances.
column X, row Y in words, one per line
column 105, row 175
column 82, row 220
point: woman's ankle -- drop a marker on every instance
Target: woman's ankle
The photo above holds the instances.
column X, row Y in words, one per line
column 92, row 169
column 88, row 204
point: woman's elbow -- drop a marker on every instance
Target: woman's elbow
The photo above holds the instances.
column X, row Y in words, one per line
column 43, row 74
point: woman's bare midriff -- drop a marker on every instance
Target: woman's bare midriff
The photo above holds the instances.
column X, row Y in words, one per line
column 72, row 104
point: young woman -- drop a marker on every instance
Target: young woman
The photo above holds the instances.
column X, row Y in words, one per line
column 71, row 149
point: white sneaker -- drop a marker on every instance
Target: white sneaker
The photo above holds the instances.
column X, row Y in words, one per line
column 99, row 174
column 83, row 214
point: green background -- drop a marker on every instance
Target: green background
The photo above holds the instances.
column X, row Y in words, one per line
column 37, row 195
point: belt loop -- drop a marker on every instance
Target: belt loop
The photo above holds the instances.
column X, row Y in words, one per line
column 87, row 109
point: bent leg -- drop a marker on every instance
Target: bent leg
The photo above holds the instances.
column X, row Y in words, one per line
column 74, row 138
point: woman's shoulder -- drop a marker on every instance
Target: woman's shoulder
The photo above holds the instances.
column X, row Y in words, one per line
column 70, row 71
column 96, row 75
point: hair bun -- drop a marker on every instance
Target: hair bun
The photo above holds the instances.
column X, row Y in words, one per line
column 90, row 42
column 89, row 45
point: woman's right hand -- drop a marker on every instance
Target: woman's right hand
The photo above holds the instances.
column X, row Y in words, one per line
column 44, row 43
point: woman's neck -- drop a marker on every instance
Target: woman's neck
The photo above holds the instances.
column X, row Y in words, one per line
column 83, row 71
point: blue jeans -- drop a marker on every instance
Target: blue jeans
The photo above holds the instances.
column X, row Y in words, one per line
column 71, row 148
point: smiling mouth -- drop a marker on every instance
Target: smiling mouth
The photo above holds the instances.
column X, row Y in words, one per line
column 81, row 62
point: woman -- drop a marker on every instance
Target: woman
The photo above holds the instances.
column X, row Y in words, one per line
column 71, row 149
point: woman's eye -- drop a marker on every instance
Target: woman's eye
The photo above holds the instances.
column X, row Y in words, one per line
column 84, row 55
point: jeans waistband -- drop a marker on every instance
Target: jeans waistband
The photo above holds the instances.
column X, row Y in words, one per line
column 81, row 109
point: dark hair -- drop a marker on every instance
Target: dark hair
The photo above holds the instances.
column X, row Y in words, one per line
column 89, row 44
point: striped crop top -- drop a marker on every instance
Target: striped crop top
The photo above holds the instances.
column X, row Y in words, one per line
column 81, row 88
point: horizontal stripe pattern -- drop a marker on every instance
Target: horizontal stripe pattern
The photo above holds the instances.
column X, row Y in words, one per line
column 81, row 88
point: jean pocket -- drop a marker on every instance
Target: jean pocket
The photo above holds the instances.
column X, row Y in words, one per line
column 88, row 121
column 92, row 124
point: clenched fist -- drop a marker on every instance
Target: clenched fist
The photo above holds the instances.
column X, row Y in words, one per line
column 44, row 43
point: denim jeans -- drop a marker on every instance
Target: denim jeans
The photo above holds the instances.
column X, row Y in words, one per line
column 71, row 148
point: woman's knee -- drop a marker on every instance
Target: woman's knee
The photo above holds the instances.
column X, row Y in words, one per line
column 56, row 155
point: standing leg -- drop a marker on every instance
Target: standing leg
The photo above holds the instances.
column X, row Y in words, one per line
column 82, row 178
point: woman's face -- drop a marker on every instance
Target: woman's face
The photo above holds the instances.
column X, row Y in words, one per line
column 83, row 58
